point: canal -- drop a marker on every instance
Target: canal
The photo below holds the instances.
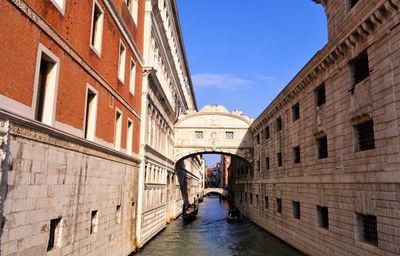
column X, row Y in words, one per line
column 210, row 234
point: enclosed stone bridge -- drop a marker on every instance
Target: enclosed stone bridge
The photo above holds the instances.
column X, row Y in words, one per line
column 214, row 130
column 219, row 191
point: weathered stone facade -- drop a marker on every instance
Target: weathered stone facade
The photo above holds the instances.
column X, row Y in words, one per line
column 327, row 149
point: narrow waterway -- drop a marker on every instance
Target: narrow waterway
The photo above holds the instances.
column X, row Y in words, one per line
column 210, row 234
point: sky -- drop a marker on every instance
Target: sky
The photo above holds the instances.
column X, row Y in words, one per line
column 242, row 55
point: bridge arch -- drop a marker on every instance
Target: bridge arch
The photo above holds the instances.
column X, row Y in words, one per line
column 213, row 130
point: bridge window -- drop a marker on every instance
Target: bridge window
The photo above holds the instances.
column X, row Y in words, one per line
column 367, row 230
column 320, row 97
column 279, row 124
column 266, row 133
column 266, row 202
column 322, row 147
column 322, row 217
column 364, row 134
column 279, row 205
column 359, row 69
column 296, row 209
column 296, row 112
column 279, row 159
column 296, row 154
column 229, row 135
column 198, row 135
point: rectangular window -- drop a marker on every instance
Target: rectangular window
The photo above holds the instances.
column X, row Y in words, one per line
column 267, row 163
column 320, row 97
column 198, row 135
column 359, row 68
column 367, row 229
column 245, row 197
column 96, row 36
column 352, row 3
column 258, row 138
column 258, row 165
column 129, row 138
column 279, row 124
column 251, row 198
column 90, row 114
column 47, row 80
column 94, row 222
column 121, row 62
column 296, row 209
column 322, row 217
column 118, row 130
column 296, row 111
column 55, row 235
column 364, row 136
column 266, row 133
column 266, row 202
column 60, row 5
column 229, row 135
column 118, row 214
column 279, row 159
column 296, row 154
column 132, row 81
column 257, row 200
column 279, row 205
column 133, row 9
column 322, row 147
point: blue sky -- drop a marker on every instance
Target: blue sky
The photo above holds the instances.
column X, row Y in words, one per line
column 242, row 55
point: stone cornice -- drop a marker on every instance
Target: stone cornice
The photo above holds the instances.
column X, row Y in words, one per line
column 36, row 131
column 328, row 57
column 30, row 13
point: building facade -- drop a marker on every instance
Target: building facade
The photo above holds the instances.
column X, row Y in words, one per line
column 165, row 183
column 70, row 103
column 327, row 151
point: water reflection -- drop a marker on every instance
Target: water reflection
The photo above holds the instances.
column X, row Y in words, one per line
column 210, row 234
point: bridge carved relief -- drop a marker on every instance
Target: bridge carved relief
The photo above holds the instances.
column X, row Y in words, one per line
column 213, row 130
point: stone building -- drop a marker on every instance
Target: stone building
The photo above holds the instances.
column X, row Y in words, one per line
column 327, row 163
column 165, row 183
column 70, row 99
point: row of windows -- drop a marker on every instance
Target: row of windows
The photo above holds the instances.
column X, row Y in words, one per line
column 359, row 68
column 45, row 101
column 199, row 135
column 364, row 140
column 56, row 227
column 366, row 225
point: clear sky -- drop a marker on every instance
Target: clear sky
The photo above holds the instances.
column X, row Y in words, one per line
column 242, row 53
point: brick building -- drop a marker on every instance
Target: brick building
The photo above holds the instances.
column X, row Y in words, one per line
column 70, row 103
column 327, row 157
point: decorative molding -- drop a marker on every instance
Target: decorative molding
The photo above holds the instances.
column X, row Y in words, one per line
column 36, row 131
column 53, row 35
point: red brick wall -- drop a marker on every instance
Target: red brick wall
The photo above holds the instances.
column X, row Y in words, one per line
column 19, row 43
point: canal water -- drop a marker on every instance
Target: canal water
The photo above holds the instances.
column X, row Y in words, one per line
column 210, row 234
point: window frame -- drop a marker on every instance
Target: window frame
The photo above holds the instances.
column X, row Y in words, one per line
column 93, row 116
column 101, row 30
column 118, row 130
column 121, row 62
column 132, row 77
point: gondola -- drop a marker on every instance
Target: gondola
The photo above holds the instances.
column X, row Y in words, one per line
column 190, row 212
column 234, row 216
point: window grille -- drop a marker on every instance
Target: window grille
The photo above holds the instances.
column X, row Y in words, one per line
column 229, row 135
column 322, row 146
column 367, row 228
column 296, row 210
column 266, row 133
column 198, row 135
column 279, row 124
column 279, row 205
column 296, row 152
column 279, row 158
column 365, row 135
column 266, row 202
column 296, row 111
column 267, row 163
column 323, row 217
column 359, row 68
column 320, row 97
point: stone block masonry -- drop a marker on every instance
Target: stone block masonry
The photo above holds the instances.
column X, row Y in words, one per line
column 53, row 176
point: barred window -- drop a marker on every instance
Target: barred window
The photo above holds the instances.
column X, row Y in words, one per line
column 367, row 229
column 279, row 159
column 258, row 138
column 296, row 209
column 359, row 68
column 296, row 154
column 267, row 163
column 251, row 198
column 266, row 202
column 364, row 133
column 322, row 217
column 279, row 124
column 279, row 205
column 198, row 135
column 229, row 135
column 296, row 111
column 266, row 133
column 320, row 97
column 322, row 147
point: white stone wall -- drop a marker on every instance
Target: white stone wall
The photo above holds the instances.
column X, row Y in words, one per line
column 51, row 177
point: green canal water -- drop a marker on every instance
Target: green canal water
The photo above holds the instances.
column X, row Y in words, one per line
column 210, row 234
